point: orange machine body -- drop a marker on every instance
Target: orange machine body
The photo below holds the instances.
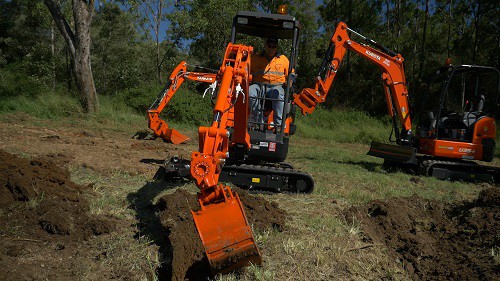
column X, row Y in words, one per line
column 221, row 222
column 451, row 148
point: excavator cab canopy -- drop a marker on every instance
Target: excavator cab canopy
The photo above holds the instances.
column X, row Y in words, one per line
column 459, row 96
column 264, row 25
column 252, row 28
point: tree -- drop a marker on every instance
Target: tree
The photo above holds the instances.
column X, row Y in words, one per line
column 78, row 43
column 151, row 14
column 207, row 23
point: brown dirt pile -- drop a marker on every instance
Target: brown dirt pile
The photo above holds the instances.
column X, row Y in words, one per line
column 434, row 240
column 39, row 204
column 188, row 259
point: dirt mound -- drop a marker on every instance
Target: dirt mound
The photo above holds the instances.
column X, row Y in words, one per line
column 39, row 203
column 434, row 240
column 188, row 259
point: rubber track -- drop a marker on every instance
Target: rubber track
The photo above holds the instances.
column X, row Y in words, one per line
column 271, row 170
column 426, row 167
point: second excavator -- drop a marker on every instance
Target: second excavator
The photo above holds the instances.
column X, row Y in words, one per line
column 455, row 122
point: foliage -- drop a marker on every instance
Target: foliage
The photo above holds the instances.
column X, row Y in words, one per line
column 22, row 40
column 185, row 107
column 207, row 24
column 120, row 60
column 125, row 55
column 21, row 93
column 343, row 126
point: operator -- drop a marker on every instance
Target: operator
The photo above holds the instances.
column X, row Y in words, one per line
column 269, row 72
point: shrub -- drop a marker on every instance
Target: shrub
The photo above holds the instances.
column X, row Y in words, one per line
column 186, row 106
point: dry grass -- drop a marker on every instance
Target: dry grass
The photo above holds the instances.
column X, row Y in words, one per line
column 319, row 242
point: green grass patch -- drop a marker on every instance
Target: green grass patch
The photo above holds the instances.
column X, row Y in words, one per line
column 342, row 126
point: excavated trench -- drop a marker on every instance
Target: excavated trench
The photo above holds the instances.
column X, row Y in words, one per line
column 44, row 218
column 187, row 260
column 437, row 241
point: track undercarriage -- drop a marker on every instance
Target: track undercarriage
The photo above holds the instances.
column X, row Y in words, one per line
column 266, row 177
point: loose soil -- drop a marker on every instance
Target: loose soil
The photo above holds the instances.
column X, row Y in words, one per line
column 44, row 218
column 46, row 229
column 436, row 241
column 188, row 259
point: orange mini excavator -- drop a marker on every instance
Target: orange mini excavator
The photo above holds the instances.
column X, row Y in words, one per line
column 235, row 149
column 455, row 121
column 221, row 222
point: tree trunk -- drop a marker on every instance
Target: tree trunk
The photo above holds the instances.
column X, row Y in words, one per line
column 84, row 80
column 424, row 34
column 53, row 54
column 78, row 43
column 477, row 19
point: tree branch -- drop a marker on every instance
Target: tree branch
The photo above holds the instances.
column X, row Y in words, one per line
column 61, row 24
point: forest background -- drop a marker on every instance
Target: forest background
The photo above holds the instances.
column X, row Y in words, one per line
column 134, row 45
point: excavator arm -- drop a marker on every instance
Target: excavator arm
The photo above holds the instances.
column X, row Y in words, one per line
column 390, row 63
column 158, row 125
column 221, row 221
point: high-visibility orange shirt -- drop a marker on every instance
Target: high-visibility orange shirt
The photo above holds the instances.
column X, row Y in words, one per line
column 271, row 72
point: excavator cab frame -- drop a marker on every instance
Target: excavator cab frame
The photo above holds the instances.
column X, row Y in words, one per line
column 460, row 124
column 270, row 143
column 460, row 96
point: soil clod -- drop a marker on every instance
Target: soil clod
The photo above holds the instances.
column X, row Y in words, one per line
column 436, row 240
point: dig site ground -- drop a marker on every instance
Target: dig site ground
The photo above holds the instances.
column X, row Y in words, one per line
column 78, row 202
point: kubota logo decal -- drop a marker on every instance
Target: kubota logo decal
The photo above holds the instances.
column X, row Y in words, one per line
column 467, row 150
column 204, row 78
column 373, row 55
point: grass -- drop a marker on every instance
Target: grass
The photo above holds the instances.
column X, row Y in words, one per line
column 342, row 126
column 318, row 243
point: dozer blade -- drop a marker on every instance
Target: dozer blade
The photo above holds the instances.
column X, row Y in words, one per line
column 226, row 235
column 396, row 153
column 175, row 136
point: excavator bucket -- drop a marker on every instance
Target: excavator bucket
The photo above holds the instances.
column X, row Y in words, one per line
column 226, row 235
column 396, row 153
column 175, row 136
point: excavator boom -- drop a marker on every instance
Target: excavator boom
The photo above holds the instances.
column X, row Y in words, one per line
column 221, row 222
column 390, row 63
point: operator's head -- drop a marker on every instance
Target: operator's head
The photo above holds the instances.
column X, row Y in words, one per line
column 271, row 46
